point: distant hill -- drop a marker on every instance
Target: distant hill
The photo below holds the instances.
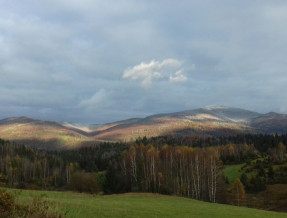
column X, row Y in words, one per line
column 212, row 120
column 270, row 123
column 209, row 120
column 41, row 134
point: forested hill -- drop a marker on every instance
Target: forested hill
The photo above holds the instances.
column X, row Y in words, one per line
column 209, row 121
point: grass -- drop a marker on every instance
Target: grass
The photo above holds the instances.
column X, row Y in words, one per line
column 232, row 172
column 138, row 205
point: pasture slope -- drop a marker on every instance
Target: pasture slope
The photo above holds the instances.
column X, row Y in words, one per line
column 138, row 205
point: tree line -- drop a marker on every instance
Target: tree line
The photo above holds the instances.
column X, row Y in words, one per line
column 25, row 167
column 261, row 142
column 184, row 171
column 160, row 165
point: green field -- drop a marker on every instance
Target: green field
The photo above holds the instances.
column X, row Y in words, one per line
column 138, row 205
column 232, row 172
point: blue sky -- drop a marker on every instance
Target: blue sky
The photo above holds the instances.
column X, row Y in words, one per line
column 100, row 61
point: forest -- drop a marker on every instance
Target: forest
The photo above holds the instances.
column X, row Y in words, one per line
column 190, row 166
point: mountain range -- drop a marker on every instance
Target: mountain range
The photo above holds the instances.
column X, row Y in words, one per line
column 211, row 120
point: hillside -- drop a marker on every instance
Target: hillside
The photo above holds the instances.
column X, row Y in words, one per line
column 139, row 205
column 212, row 120
column 41, row 134
column 209, row 121
column 270, row 123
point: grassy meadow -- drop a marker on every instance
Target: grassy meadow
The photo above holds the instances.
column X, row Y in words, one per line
column 232, row 172
column 73, row 204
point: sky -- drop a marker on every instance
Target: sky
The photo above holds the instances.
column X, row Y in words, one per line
column 99, row 61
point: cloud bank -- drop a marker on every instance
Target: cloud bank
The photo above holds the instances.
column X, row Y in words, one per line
column 97, row 62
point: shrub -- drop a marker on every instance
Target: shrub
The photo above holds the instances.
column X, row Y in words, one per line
column 85, row 182
column 7, row 203
column 37, row 208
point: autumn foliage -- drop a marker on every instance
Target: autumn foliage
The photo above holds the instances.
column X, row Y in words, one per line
column 184, row 171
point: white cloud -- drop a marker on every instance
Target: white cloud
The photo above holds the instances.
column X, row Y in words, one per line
column 178, row 78
column 155, row 70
